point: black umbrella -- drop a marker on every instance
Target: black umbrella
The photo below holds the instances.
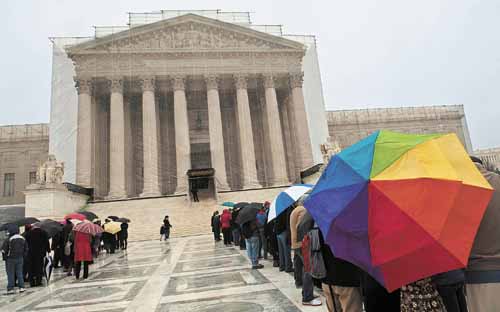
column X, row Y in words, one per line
column 304, row 226
column 247, row 214
column 240, row 205
column 114, row 218
column 51, row 227
column 25, row 221
column 9, row 227
column 123, row 220
column 255, row 205
column 89, row 215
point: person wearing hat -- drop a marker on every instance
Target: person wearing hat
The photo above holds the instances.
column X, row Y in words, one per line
column 14, row 249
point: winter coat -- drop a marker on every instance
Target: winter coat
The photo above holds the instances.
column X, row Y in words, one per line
column 123, row 234
column 225, row 219
column 82, row 247
column 215, row 223
column 14, row 247
column 295, row 218
column 449, row 278
column 338, row 271
column 38, row 244
column 485, row 254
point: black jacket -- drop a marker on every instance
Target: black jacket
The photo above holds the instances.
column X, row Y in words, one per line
column 283, row 222
column 338, row 272
column 14, row 247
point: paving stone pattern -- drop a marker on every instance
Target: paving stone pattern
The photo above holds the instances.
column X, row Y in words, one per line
column 183, row 274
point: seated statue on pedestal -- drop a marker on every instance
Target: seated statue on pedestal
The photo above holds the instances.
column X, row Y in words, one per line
column 50, row 172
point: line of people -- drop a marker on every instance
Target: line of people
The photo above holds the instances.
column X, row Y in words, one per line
column 346, row 287
column 26, row 254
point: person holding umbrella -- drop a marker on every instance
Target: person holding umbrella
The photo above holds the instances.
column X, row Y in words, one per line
column 247, row 219
column 38, row 247
column 13, row 251
column 83, row 253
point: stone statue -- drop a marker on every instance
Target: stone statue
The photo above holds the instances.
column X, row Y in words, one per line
column 329, row 149
column 59, row 173
column 40, row 173
column 50, row 172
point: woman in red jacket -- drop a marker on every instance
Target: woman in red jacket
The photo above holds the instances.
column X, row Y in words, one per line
column 83, row 253
column 225, row 221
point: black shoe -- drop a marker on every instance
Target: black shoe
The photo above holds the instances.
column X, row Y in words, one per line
column 281, row 269
column 275, row 264
column 289, row 271
column 257, row 267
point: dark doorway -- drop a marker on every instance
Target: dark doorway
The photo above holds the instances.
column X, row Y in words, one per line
column 201, row 184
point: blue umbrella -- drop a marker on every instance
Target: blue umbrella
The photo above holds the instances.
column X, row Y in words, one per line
column 228, row 204
column 287, row 198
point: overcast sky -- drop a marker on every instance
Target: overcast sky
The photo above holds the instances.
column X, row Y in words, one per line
column 384, row 53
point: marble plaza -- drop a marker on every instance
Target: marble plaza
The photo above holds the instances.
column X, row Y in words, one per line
column 185, row 274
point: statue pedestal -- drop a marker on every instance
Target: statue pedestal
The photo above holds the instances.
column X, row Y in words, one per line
column 52, row 201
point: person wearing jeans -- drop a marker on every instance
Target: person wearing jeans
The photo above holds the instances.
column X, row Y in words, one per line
column 251, row 234
column 13, row 251
column 282, row 229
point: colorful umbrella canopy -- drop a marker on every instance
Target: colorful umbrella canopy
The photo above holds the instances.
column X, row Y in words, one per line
column 287, row 198
column 76, row 216
column 88, row 227
column 112, row 227
column 401, row 207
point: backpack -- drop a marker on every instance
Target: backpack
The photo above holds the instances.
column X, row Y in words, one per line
column 318, row 269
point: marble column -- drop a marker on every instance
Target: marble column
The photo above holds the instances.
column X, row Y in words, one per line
column 182, row 142
column 84, row 133
column 278, row 158
column 117, row 180
column 215, row 132
column 150, row 126
column 247, row 150
column 299, row 115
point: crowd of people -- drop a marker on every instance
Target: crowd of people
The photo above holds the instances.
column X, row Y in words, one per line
column 27, row 255
column 345, row 286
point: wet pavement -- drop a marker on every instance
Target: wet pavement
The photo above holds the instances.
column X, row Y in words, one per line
column 184, row 274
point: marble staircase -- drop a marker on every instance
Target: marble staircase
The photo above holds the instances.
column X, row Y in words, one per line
column 186, row 218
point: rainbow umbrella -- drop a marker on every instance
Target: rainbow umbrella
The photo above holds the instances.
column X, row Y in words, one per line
column 402, row 207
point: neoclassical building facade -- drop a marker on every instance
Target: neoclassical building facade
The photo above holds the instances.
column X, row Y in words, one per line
column 189, row 92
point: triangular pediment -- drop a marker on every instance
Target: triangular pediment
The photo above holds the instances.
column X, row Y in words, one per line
column 189, row 32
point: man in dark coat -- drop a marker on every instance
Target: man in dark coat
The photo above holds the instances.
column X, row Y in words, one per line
column 38, row 247
column 123, row 236
column 67, row 257
column 215, row 223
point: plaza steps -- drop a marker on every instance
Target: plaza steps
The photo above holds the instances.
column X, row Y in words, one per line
column 186, row 218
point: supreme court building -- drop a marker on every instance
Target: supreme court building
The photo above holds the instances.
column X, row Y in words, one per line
column 148, row 108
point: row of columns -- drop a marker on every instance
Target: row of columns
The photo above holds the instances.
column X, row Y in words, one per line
column 118, row 178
